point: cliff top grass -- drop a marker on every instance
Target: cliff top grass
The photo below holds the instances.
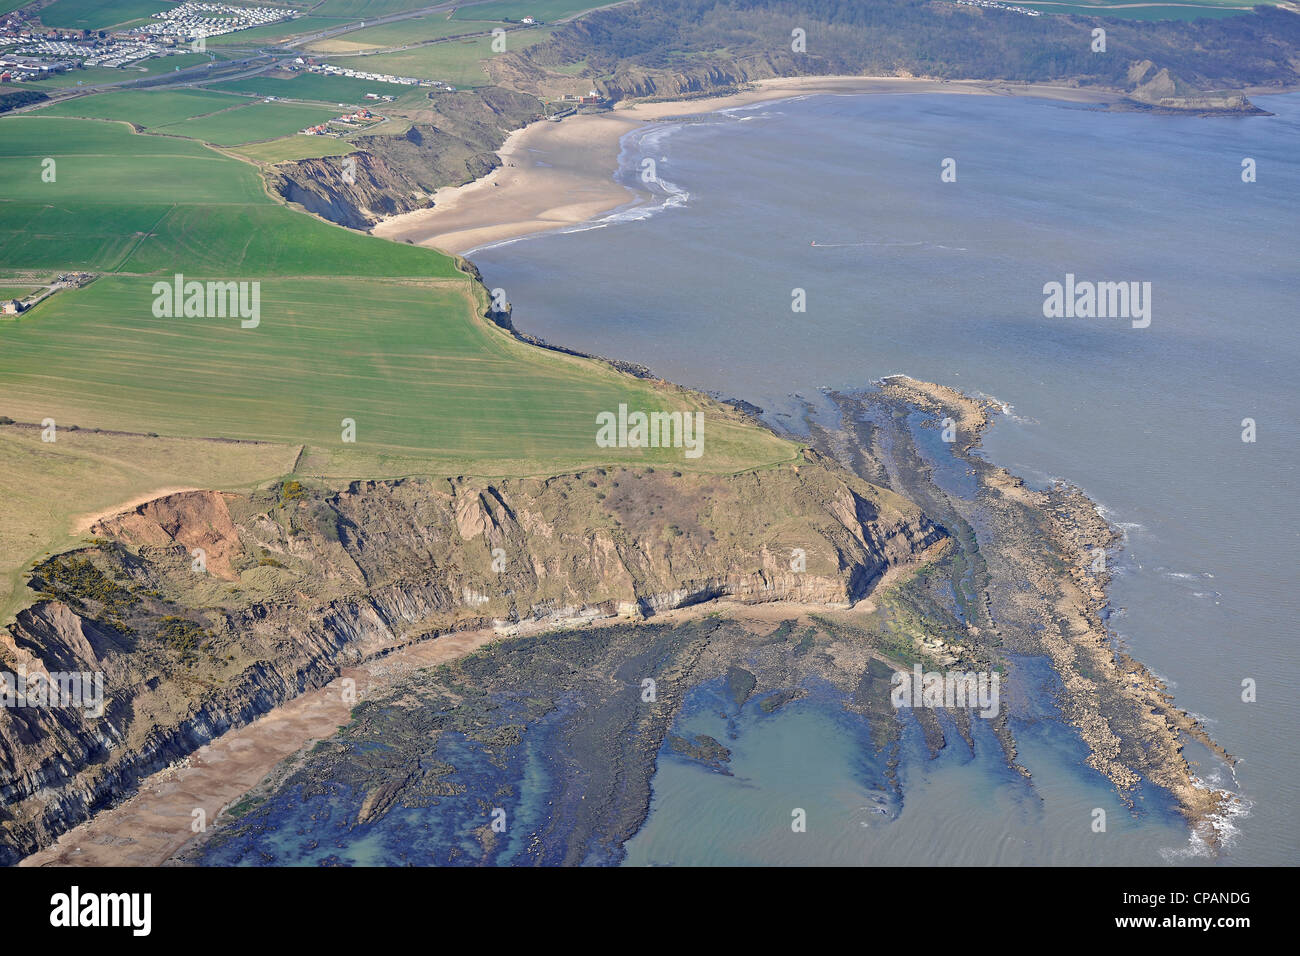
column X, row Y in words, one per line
column 391, row 337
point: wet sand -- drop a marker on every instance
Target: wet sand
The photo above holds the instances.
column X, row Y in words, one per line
column 555, row 175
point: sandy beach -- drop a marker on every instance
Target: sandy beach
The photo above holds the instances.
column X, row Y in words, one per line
column 555, row 175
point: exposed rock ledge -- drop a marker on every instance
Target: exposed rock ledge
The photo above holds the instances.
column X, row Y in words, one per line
column 299, row 582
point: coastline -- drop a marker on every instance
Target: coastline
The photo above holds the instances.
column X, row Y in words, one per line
column 523, row 197
column 153, row 825
column 1127, row 704
column 123, row 837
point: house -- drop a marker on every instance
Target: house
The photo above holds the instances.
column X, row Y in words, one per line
column 11, row 307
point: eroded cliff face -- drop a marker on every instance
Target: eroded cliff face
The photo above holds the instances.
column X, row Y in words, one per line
column 534, row 75
column 204, row 610
column 1161, row 88
column 451, row 141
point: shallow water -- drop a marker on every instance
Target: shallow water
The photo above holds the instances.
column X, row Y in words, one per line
column 841, row 196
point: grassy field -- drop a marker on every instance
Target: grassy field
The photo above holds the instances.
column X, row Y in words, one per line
column 98, row 14
column 458, row 62
column 143, row 203
column 398, row 357
column 45, row 488
column 367, row 8
column 147, row 108
column 294, row 147
column 547, row 11
column 274, row 33
column 350, row 326
column 15, row 291
column 436, row 26
column 317, row 87
column 249, row 124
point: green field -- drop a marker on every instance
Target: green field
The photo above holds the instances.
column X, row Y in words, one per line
column 277, row 32
column 416, row 30
column 144, row 203
column 249, row 124
column 98, row 14
column 367, row 8
column 458, row 62
column 16, row 291
column 317, row 87
column 147, row 108
column 350, row 326
column 295, row 147
column 398, row 358
column 547, row 11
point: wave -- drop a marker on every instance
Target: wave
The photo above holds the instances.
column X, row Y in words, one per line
column 662, row 195
column 1006, row 408
column 1219, row 831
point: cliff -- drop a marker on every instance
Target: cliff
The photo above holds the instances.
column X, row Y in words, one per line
column 295, row 582
column 451, row 141
column 1162, row 89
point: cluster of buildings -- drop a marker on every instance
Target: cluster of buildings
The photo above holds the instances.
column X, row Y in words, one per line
column 68, row 280
column 33, row 60
column 15, row 66
column 191, row 21
column 29, row 51
column 994, row 5
column 33, row 53
column 329, row 69
column 590, row 99
column 362, row 117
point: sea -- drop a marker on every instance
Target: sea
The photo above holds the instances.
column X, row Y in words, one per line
column 777, row 251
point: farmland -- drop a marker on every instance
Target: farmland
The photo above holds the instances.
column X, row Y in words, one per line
column 274, row 33
column 251, row 123
column 353, row 9
column 458, row 62
column 404, row 32
column 547, row 11
column 294, row 147
column 350, row 326
column 97, row 14
column 316, row 87
column 146, row 108
column 397, row 357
